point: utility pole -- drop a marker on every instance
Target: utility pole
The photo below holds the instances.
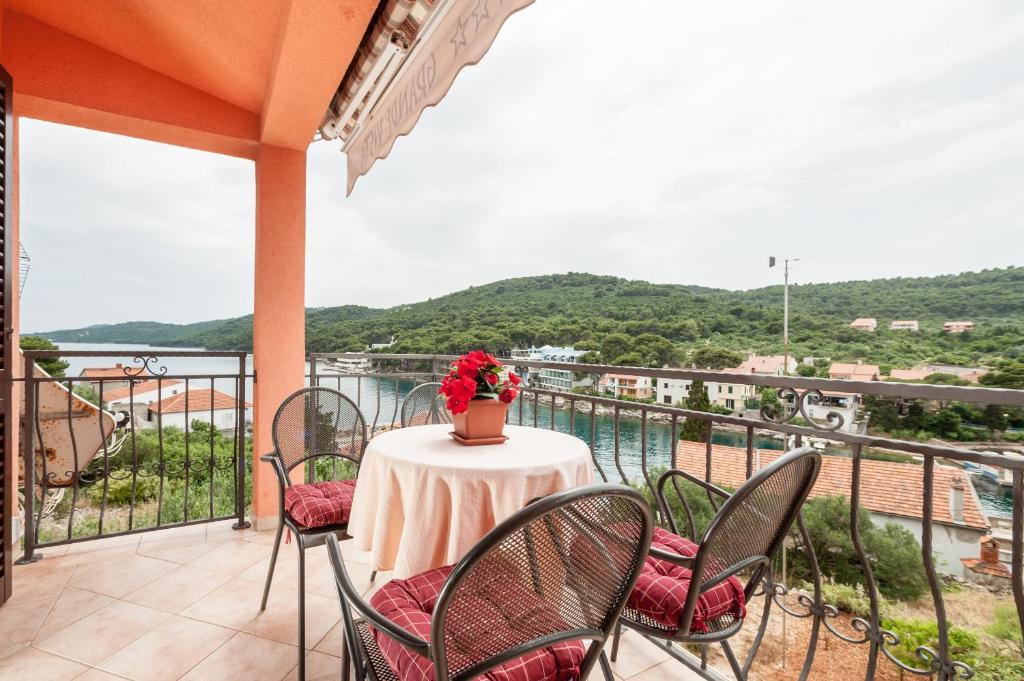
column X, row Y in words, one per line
column 785, row 309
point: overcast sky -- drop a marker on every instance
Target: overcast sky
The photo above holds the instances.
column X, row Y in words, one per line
column 677, row 142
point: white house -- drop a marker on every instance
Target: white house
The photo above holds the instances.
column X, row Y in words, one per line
column 142, row 393
column 904, row 325
column 626, row 385
column 864, row 324
column 728, row 395
column 202, row 405
column 551, row 379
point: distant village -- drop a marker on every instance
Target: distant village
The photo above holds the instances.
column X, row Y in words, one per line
column 739, row 398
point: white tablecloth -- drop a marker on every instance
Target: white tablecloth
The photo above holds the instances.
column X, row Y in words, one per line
column 423, row 500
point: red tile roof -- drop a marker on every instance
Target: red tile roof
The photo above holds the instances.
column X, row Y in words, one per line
column 868, row 372
column 150, row 385
column 198, row 401
column 116, row 371
column 909, row 374
column 887, row 487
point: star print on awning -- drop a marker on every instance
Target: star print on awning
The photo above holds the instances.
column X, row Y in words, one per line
column 408, row 62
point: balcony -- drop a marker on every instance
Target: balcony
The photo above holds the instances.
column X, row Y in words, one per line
column 149, row 568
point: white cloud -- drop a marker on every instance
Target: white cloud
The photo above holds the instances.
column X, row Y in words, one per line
column 676, row 142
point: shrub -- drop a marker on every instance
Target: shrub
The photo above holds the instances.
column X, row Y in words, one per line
column 851, row 598
column 963, row 644
column 1005, row 626
column 119, row 489
column 894, row 552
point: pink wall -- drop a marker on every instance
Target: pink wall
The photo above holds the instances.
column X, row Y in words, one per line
column 279, row 339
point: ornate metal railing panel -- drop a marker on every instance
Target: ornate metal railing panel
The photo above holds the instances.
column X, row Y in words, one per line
column 136, row 447
column 630, row 440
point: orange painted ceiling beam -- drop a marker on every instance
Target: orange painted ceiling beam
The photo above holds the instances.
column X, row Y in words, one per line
column 64, row 79
column 319, row 39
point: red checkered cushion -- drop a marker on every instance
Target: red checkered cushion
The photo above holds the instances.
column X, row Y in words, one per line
column 512, row 611
column 319, row 504
column 660, row 592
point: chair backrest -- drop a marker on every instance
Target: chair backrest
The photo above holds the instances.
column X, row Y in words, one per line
column 565, row 565
column 315, row 423
column 424, row 405
column 752, row 524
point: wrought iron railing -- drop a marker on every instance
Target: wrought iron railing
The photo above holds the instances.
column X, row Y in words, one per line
column 619, row 433
column 134, row 448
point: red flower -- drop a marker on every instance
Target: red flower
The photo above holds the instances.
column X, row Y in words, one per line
column 514, row 379
column 491, row 378
column 507, row 395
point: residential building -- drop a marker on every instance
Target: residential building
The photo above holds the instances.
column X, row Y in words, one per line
column 137, row 398
column 207, row 405
column 552, row 379
column 854, row 372
column 113, row 378
column 864, row 324
column 768, row 365
column 731, row 396
column 904, row 325
column 958, row 327
column 969, row 374
column 909, row 374
column 890, row 491
column 622, row 385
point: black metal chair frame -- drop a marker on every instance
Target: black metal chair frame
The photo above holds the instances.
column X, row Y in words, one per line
column 305, row 537
column 367, row 659
column 756, row 565
column 438, row 412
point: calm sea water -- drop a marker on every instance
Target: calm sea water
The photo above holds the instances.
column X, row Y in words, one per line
column 380, row 400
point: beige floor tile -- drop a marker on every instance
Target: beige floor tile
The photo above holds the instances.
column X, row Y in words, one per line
column 19, row 621
column 319, row 667
column 672, row 670
column 104, row 632
column 8, row 649
column 330, row 644
column 93, row 555
column 231, row 557
column 183, row 536
column 120, row 577
column 98, row 675
column 636, row 654
column 246, row 657
column 177, row 552
column 38, row 665
column 42, row 584
column 71, row 606
column 286, row 570
column 223, row 531
column 168, row 651
column 178, row 589
column 233, row 605
column 280, row 620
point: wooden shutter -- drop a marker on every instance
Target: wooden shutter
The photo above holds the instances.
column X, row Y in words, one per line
column 8, row 470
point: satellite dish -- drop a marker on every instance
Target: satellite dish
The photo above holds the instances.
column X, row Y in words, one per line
column 23, row 266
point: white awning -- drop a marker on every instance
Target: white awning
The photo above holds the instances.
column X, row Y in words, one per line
column 409, row 60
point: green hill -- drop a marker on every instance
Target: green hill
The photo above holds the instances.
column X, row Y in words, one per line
column 636, row 322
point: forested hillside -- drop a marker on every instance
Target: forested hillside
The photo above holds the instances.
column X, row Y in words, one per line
column 635, row 322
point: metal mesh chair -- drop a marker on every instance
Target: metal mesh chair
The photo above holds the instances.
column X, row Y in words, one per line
column 542, row 583
column 740, row 541
column 320, row 430
column 425, row 406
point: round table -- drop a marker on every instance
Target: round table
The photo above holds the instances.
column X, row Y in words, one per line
column 423, row 500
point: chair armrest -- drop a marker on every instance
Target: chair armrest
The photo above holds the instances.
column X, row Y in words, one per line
column 674, row 558
column 691, row 478
column 378, row 621
column 275, row 461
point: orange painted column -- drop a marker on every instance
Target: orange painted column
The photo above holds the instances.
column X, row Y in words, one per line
column 279, row 336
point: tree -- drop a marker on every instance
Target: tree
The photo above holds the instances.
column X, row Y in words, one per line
column 614, row 345
column 696, row 430
column 893, row 551
column 807, row 371
column 995, row 419
column 711, row 357
column 51, row 365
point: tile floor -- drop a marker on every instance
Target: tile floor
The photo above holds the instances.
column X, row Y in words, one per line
column 184, row 604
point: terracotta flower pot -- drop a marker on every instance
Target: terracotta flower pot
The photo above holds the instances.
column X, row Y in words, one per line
column 482, row 423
